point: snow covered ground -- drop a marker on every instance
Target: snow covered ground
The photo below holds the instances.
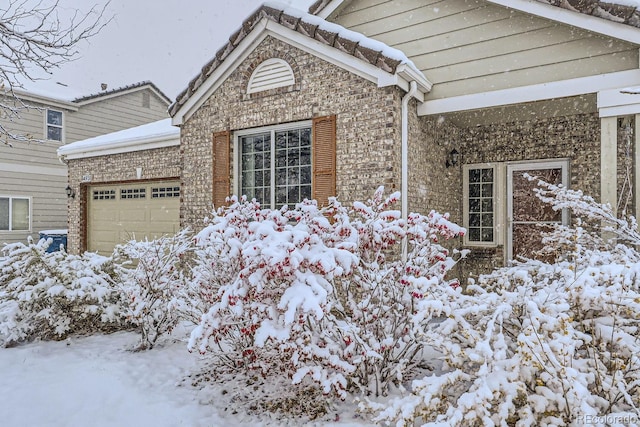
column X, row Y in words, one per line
column 98, row 382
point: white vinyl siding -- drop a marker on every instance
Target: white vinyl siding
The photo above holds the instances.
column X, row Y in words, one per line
column 113, row 114
column 270, row 74
column 471, row 47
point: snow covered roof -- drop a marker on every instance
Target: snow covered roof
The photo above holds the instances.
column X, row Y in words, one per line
column 120, row 90
column 145, row 137
column 44, row 94
column 621, row 11
column 365, row 49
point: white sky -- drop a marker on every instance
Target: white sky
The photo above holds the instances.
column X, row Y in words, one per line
column 165, row 41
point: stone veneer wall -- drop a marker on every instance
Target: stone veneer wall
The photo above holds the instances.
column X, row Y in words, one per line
column 574, row 137
column 368, row 130
column 156, row 164
column 432, row 185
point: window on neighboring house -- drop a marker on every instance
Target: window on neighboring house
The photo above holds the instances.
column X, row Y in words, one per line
column 54, row 125
column 275, row 164
column 480, row 202
column 15, row 213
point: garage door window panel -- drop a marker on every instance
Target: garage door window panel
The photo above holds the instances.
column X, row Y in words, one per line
column 104, row 194
column 133, row 193
column 163, row 192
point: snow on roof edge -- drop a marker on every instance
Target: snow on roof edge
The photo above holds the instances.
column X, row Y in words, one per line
column 361, row 39
column 126, row 140
column 315, row 28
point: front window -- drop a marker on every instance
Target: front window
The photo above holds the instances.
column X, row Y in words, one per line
column 54, row 125
column 14, row 214
column 479, row 205
column 275, row 164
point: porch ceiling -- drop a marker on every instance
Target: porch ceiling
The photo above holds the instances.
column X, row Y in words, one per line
column 521, row 112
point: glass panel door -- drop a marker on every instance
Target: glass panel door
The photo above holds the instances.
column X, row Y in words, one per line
column 528, row 216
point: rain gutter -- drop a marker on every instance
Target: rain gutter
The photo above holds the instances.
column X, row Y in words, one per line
column 404, row 189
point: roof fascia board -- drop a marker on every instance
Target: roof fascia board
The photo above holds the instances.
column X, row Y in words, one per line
column 330, row 8
column 99, row 98
column 538, row 92
column 45, row 100
column 220, row 74
column 576, row 19
column 323, row 51
column 327, row 53
column 403, row 75
column 126, row 146
column 619, row 111
column 613, row 103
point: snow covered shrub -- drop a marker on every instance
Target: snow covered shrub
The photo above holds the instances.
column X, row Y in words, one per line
column 320, row 295
column 266, row 275
column 51, row 295
column 539, row 343
column 151, row 278
column 386, row 303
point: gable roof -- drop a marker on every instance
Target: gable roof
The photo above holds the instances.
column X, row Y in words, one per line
column 614, row 10
column 319, row 34
column 122, row 91
column 74, row 104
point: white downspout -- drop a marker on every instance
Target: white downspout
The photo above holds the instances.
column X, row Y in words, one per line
column 404, row 189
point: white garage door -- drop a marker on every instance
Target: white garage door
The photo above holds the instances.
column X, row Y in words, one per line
column 119, row 213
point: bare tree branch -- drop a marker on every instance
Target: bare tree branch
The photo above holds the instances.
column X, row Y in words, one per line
column 38, row 36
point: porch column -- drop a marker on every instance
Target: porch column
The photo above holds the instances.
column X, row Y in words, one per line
column 608, row 161
column 636, row 165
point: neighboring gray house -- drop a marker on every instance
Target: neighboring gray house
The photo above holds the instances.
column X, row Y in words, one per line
column 449, row 102
column 32, row 179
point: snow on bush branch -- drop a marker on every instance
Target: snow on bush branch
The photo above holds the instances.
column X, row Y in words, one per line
column 50, row 295
column 539, row 343
column 152, row 278
column 319, row 295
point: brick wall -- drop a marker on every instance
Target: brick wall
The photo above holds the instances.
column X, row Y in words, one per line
column 368, row 130
column 574, row 137
column 156, row 164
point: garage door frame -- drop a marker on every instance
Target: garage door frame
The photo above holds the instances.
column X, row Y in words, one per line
column 85, row 188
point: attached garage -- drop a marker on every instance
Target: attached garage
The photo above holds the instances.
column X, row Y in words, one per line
column 123, row 186
column 138, row 211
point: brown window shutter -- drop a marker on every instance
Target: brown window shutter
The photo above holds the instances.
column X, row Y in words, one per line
column 221, row 168
column 324, row 159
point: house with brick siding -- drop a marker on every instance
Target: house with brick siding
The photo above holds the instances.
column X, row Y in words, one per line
column 449, row 102
column 33, row 181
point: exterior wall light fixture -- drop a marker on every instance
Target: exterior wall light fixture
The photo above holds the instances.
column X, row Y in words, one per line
column 70, row 193
column 452, row 158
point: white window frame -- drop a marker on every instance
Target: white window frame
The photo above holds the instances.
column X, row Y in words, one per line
column 30, row 214
column 47, row 125
column 498, row 203
column 272, row 129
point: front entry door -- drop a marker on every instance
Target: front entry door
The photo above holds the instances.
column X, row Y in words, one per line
column 528, row 217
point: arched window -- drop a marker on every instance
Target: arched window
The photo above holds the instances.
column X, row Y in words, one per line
column 271, row 74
